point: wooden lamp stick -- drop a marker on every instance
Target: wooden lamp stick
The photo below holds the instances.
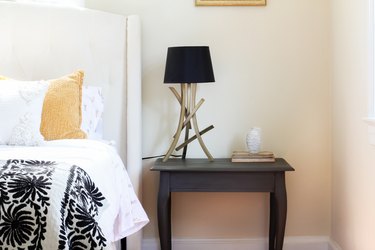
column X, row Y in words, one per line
column 195, row 124
column 194, row 137
column 186, row 123
column 180, row 122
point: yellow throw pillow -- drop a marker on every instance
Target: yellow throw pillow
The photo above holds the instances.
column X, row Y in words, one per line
column 61, row 115
column 3, row 78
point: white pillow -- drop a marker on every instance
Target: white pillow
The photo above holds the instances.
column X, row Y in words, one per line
column 92, row 110
column 21, row 104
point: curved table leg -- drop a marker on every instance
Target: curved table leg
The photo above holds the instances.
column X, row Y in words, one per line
column 272, row 228
column 281, row 209
column 164, row 212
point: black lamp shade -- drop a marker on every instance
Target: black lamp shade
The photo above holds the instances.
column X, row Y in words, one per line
column 190, row 64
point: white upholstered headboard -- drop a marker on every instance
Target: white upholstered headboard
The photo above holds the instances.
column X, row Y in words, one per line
column 46, row 42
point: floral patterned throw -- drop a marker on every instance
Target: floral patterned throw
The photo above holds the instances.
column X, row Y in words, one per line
column 48, row 205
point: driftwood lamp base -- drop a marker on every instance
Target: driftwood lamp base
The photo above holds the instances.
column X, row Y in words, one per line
column 187, row 121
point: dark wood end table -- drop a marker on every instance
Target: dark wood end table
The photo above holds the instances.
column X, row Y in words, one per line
column 221, row 175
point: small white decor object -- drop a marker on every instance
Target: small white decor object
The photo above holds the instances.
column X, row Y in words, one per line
column 254, row 140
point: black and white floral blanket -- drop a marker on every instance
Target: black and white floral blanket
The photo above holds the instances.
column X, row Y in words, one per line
column 48, row 205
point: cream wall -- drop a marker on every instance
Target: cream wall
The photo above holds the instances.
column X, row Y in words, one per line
column 272, row 69
column 353, row 220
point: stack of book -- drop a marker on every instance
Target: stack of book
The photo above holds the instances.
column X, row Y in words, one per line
column 245, row 156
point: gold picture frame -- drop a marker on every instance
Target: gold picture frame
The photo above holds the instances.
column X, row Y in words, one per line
column 230, row 2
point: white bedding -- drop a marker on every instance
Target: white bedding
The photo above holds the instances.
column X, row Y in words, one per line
column 123, row 213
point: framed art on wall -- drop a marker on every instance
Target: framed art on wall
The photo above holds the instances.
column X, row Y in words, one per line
column 230, row 2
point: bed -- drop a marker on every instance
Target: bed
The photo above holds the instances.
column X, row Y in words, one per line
column 76, row 190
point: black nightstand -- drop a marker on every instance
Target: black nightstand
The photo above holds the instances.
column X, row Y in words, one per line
column 221, row 175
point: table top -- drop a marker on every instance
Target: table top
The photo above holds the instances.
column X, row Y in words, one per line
column 219, row 165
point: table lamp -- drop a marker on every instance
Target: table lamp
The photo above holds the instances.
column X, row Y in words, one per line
column 188, row 66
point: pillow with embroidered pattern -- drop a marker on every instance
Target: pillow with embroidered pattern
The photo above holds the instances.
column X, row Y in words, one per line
column 21, row 105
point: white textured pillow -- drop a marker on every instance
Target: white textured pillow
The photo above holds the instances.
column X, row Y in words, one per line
column 92, row 110
column 21, row 104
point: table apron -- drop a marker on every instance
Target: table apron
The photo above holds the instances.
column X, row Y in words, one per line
column 221, row 181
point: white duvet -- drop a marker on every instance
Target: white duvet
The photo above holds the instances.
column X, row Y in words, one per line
column 123, row 213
